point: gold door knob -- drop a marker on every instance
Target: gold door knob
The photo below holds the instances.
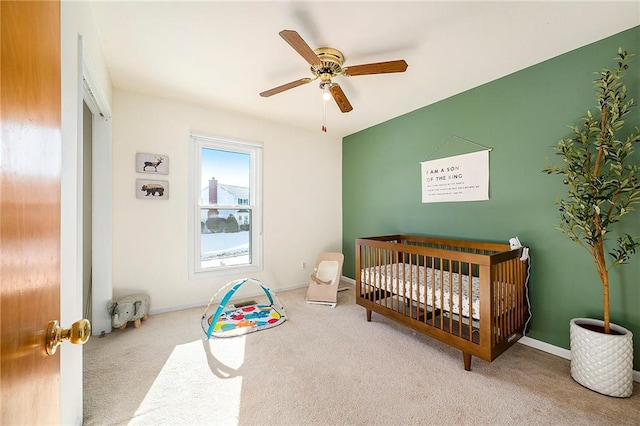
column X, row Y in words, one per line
column 78, row 334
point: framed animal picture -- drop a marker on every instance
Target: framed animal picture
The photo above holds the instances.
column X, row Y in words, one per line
column 152, row 189
column 152, row 163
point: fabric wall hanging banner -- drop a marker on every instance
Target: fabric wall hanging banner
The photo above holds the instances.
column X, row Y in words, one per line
column 459, row 178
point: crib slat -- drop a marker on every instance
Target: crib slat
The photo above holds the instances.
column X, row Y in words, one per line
column 451, row 295
column 441, row 293
column 411, row 278
column 504, row 301
column 393, row 278
column 498, row 296
column 361, row 271
column 460, row 272
column 381, row 278
column 518, row 297
column 373, row 279
column 385, row 262
column 521, row 292
column 431, row 302
column 424, row 290
column 512, row 296
column 363, row 252
column 496, row 305
column 427, row 271
column 390, row 279
column 504, row 330
column 399, row 294
column 370, row 279
column 367, row 260
column 470, row 289
column 367, row 274
column 510, row 301
column 517, row 320
column 400, row 279
column 433, row 290
column 378, row 277
column 458, row 286
column 523, row 279
column 501, row 301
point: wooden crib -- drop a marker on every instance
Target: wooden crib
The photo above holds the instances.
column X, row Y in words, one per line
column 468, row 294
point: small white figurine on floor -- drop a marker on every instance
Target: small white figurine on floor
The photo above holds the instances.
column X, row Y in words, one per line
column 130, row 308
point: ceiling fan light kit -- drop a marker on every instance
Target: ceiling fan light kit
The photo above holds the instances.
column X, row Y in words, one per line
column 326, row 63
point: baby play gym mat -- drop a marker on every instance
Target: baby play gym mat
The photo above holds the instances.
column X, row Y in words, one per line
column 230, row 320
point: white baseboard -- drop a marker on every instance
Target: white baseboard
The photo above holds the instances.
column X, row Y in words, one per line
column 527, row 341
column 546, row 347
column 178, row 307
column 203, row 303
column 348, row 280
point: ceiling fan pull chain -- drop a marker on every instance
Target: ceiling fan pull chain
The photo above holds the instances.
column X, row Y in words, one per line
column 324, row 116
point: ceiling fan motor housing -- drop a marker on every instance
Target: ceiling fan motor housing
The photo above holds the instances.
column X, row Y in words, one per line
column 332, row 60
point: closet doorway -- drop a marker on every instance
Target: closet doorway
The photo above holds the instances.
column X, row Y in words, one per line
column 87, row 210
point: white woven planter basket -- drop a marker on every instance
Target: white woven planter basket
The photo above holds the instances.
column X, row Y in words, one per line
column 602, row 362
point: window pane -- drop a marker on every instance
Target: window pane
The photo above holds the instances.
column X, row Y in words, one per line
column 225, row 237
column 226, row 200
column 225, row 177
column 226, row 234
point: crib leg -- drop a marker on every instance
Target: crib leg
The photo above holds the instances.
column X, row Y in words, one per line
column 368, row 315
column 467, row 360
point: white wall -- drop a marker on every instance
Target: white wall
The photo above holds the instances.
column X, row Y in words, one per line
column 302, row 184
column 76, row 20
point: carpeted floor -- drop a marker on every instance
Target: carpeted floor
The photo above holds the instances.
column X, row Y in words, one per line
column 326, row 367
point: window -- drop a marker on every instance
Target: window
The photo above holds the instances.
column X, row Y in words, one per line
column 225, row 199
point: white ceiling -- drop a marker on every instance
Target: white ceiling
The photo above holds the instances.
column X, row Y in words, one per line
column 223, row 54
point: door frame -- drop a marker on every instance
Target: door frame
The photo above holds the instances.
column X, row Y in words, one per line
column 77, row 71
column 102, row 204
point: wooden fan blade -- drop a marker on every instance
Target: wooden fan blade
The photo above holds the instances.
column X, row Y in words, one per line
column 376, row 68
column 284, row 87
column 340, row 98
column 300, row 46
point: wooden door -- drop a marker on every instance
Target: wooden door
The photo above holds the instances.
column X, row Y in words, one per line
column 30, row 164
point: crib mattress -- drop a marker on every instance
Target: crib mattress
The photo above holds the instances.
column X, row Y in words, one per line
column 409, row 281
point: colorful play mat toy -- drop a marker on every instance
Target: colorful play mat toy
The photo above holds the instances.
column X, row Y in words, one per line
column 231, row 320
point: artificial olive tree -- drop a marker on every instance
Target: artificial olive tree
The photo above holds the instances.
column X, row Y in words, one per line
column 602, row 175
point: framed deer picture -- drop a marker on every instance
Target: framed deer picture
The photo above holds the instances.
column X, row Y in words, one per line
column 152, row 163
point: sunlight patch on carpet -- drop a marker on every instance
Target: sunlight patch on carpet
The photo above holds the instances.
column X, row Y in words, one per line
column 199, row 381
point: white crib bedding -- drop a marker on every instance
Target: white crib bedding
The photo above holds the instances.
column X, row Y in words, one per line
column 405, row 273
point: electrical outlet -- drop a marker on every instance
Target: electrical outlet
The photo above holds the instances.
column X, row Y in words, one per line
column 304, row 265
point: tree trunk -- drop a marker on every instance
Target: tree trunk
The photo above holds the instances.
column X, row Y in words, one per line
column 601, row 266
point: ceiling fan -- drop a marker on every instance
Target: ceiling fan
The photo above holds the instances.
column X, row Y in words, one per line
column 326, row 63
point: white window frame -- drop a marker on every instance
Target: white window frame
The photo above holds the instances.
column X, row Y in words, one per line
column 196, row 143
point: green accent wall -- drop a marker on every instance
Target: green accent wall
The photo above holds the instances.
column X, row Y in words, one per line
column 521, row 116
